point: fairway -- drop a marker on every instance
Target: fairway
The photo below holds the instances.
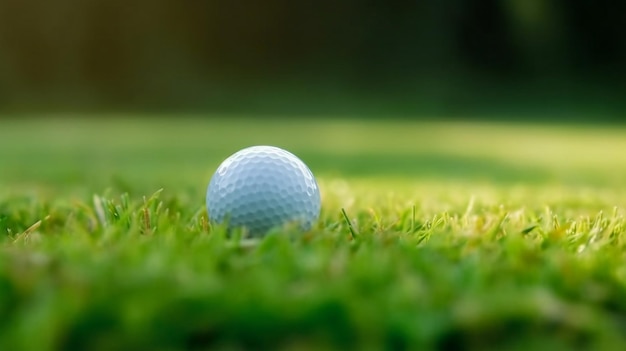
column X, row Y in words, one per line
column 432, row 236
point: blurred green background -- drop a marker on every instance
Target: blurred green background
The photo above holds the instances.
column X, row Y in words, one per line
column 489, row 59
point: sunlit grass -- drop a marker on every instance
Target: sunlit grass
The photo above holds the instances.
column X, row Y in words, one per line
column 432, row 236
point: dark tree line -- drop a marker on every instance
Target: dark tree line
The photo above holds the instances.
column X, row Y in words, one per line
column 133, row 52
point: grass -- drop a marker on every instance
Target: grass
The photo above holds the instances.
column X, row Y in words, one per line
column 432, row 236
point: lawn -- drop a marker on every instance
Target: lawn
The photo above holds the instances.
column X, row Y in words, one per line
column 455, row 236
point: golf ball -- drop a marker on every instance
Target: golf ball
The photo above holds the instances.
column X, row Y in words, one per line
column 262, row 188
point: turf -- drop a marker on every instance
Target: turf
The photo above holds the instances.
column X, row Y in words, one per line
column 432, row 236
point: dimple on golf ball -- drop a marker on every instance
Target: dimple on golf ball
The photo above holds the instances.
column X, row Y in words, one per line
column 260, row 188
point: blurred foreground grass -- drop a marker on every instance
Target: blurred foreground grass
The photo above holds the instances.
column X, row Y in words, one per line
column 468, row 236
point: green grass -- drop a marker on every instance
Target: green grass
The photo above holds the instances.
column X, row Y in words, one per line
column 432, row 236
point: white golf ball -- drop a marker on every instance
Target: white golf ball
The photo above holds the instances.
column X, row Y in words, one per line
column 262, row 188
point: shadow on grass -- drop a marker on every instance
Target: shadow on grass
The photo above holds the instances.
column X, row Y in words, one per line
column 426, row 166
